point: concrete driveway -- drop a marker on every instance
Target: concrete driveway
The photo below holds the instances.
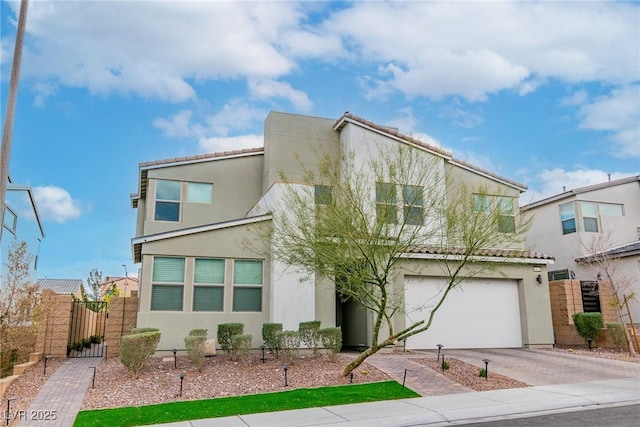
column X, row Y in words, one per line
column 545, row 367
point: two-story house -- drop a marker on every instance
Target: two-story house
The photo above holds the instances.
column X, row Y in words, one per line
column 195, row 216
column 21, row 223
column 601, row 219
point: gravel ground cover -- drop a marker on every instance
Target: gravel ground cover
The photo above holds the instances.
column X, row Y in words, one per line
column 160, row 381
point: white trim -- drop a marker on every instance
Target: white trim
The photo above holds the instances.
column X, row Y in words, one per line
column 199, row 229
column 202, row 160
column 508, row 260
column 487, row 175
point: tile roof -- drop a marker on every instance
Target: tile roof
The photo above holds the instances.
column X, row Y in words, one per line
column 61, row 286
column 201, row 157
column 622, row 251
column 498, row 253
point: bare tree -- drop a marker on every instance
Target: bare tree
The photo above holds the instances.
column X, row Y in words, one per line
column 355, row 223
column 19, row 298
column 93, row 283
column 606, row 265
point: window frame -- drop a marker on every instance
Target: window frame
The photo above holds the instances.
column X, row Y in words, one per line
column 202, row 184
column 10, row 227
column 413, row 204
column 164, row 201
column 386, row 208
column 239, row 287
column 568, row 219
column 167, row 284
column 218, row 286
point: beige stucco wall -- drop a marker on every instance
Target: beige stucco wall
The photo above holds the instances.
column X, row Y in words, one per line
column 236, row 187
column 292, row 140
column 229, row 244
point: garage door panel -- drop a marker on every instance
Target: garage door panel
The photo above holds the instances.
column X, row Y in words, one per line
column 477, row 314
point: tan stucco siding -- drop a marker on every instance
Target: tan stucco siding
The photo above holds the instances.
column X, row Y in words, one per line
column 236, row 187
column 290, row 141
column 228, row 244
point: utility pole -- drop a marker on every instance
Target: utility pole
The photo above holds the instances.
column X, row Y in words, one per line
column 7, row 130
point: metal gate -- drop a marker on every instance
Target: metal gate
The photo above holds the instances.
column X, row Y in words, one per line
column 86, row 332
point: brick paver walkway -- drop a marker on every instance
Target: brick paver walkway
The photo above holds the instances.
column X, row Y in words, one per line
column 419, row 378
column 60, row 399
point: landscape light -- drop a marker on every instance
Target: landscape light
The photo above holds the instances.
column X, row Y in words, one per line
column 286, row 381
column 486, row 368
column 181, row 381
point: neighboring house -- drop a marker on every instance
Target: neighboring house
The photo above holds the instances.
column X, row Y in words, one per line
column 21, row 223
column 195, row 216
column 120, row 286
column 62, row 286
column 567, row 225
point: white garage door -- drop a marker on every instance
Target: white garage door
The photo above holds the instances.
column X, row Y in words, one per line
column 477, row 314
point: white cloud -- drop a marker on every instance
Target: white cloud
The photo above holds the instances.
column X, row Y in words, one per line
column 56, row 204
column 577, row 98
column 472, row 49
column 237, row 115
column 460, row 116
column 268, row 88
column 555, row 181
column 179, row 125
column 217, row 144
column 619, row 115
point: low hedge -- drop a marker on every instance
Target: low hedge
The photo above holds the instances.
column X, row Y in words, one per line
column 135, row 349
column 226, row 331
column 588, row 325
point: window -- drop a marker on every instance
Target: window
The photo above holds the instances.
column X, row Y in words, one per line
column 481, row 203
column 558, row 275
column 208, row 290
column 323, row 195
column 413, row 204
column 247, row 285
column 386, row 203
column 589, row 216
column 167, row 284
column 10, row 220
column 199, row 193
column 506, row 215
column 568, row 218
column 610, row 209
column 167, row 201
column 503, row 205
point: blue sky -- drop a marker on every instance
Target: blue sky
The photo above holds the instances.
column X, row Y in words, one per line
column 543, row 93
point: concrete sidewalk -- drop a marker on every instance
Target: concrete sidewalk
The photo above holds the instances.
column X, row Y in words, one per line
column 447, row 409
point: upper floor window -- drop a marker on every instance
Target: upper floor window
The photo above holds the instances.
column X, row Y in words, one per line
column 10, row 220
column 588, row 214
column 198, row 192
column 503, row 205
column 168, row 195
column 568, row 218
column 322, row 195
column 386, row 203
column 413, row 204
column 506, row 214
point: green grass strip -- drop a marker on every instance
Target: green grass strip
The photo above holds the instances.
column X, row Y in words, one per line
column 242, row 405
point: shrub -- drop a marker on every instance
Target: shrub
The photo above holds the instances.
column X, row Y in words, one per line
column 86, row 342
column 483, row 373
column 445, row 365
column 146, row 329
column 617, row 334
column 195, row 349
column 226, row 331
column 135, row 349
column 269, row 336
column 241, row 347
column 309, row 334
column 332, row 341
column 588, row 325
column 95, row 339
column 289, row 342
column 198, row 332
